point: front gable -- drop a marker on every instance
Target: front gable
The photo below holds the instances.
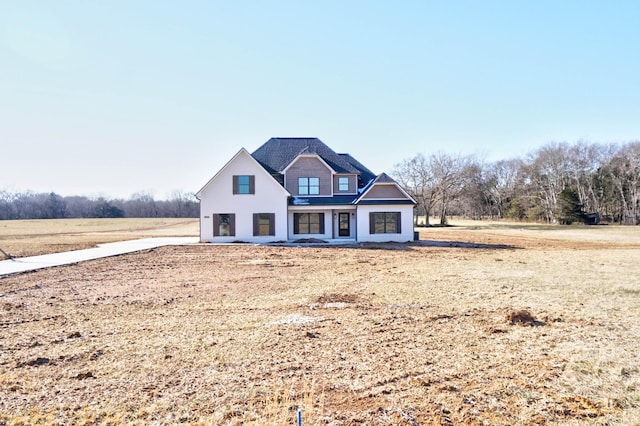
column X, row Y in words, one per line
column 383, row 192
column 236, row 196
column 384, row 189
column 241, row 164
column 309, row 166
column 385, row 211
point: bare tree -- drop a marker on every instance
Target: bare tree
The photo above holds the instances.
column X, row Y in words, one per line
column 31, row 205
column 450, row 175
column 7, row 209
column 437, row 181
column 79, row 206
column 508, row 187
column 599, row 178
column 141, row 204
column 585, row 161
column 549, row 171
column 624, row 171
column 181, row 204
column 415, row 175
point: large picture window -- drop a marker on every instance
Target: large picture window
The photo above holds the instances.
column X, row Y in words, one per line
column 308, row 223
column 384, row 223
column 308, row 186
column 264, row 224
column 224, row 225
column 244, row 184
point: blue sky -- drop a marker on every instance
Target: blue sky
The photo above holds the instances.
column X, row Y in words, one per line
column 117, row 97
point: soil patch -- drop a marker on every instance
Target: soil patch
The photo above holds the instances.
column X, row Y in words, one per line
column 233, row 335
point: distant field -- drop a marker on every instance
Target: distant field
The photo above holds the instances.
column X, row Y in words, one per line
column 483, row 323
column 22, row 238
column 487, row 231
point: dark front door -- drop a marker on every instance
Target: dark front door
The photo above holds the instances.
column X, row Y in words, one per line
column 343, row 225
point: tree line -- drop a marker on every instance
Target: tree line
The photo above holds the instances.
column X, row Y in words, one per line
column 31, row 205
column 558, row 183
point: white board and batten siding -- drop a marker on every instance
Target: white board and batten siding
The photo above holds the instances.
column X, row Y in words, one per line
column 217, row 197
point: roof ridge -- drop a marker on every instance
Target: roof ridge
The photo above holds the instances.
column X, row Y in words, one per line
column 278, row 153
column 297, row 137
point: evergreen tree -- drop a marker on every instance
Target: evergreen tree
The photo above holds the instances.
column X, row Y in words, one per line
column 569, row 207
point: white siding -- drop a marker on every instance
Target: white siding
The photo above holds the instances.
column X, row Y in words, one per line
column 406, row 225
column 217, row 197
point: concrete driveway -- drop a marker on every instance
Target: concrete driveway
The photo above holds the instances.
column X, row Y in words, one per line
column 32, row 263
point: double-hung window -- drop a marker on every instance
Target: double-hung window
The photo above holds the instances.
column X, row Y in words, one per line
column 343, row 184
column 308, row 186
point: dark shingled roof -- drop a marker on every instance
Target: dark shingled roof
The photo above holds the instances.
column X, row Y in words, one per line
column 338, row 200
column 365, row 174
column 277, row 153
column 384, row 178
column 376, row 202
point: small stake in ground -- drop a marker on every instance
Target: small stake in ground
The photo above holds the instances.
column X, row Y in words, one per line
column 7, row 254
column 299, row 417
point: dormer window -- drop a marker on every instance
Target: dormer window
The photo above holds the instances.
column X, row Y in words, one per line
column 343, row 184
column 308, row 186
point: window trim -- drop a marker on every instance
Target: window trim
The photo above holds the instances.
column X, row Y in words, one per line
column 305, row 182
column 239, row 188
column 298, row 220
column 395, row 216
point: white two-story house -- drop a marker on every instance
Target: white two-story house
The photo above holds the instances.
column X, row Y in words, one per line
column 298, row 188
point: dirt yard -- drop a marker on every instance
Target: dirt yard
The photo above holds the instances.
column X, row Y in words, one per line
column 495, row 324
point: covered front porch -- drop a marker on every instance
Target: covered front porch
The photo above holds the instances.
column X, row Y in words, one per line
column 328, row 224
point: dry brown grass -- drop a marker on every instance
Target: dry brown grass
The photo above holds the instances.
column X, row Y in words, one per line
column 21, row 238
column 387, row 334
